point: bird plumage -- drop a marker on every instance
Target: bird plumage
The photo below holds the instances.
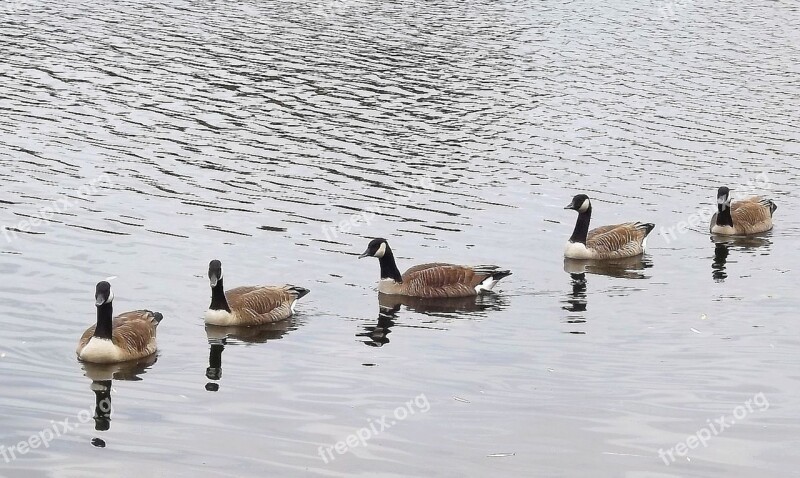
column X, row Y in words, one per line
column 616, row 241
column 432, row 280
column 752, row 215
column 128, row 336
column 250, row 305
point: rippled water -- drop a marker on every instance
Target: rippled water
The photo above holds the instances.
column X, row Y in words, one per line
column 140, row 140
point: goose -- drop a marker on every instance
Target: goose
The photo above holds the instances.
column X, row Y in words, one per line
column 254, row 305
column 607, row 242
column 128, row 336
column 748, row 216
column 431, row 280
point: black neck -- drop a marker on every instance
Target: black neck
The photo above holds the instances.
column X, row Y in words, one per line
column 103, row 328
column 218, row 300
column 724, row 216
column 389, row 266
column 582, row 226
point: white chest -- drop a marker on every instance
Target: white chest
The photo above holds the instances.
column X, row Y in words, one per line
column 388, row 286
column 723, row 230
column 577, row 250
column 219, row 317
column 101, row 351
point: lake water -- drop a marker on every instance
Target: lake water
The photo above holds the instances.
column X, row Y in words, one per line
column 141, row 140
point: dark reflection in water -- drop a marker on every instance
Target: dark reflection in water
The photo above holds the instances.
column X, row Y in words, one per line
column 378, row 335
column 720, row 259
column 103, row 376
column 628, row 268
column 722, row 248
column 389, row 306
column 218, row 339
column 481, row 303
column 576, row 300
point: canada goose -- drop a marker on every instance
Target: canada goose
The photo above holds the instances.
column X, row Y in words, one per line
column 606, row 242
column 748, row 216
column 431, row 280
column 128, row 336
column 254, row 305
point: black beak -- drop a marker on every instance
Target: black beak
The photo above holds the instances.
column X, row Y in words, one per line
column 365, row 254
column 570, row 206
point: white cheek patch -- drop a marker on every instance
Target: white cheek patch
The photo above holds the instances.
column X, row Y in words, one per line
column 110, row 297
column 585, row 206
column 381, row 252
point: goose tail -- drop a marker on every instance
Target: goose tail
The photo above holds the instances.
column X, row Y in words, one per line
column 647, row 226
column 300, row 292
column 157, row 316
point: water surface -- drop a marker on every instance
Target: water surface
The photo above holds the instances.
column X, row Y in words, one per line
column 139, row 141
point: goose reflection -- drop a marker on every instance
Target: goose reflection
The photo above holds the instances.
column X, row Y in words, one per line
column 722, row 248
column 389, row 306
column 102, row 377
column 488, row 301
column 627, row 268
column 378, row 335
column 219, row 337
column 576, row 300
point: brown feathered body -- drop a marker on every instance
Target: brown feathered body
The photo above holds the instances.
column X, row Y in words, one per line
column 617, row 241
column 133, row 336
column 437, row 280
column 256, row 305
column 750, row 216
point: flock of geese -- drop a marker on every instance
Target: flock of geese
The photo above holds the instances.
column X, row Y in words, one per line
column 132, row 335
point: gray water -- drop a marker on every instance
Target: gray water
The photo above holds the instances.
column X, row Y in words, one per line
column 140, row 140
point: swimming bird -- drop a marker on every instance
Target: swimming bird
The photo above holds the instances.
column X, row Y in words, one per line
column 748, row 216
column 253, row 305
column 607, row 242
column 434, row 280
column 128, row 336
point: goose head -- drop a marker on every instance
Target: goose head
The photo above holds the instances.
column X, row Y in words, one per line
column 376, row 248
column 723, row 198
column 103, row 294
column 580, row 203
column 214, row 272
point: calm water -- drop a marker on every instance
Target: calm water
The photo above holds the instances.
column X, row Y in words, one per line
column 153, row 137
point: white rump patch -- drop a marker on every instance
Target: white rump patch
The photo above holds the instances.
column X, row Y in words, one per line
column 487, row 285
column 101, row 351
column 219, row 317
column 381, row 251
column 294, row 302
